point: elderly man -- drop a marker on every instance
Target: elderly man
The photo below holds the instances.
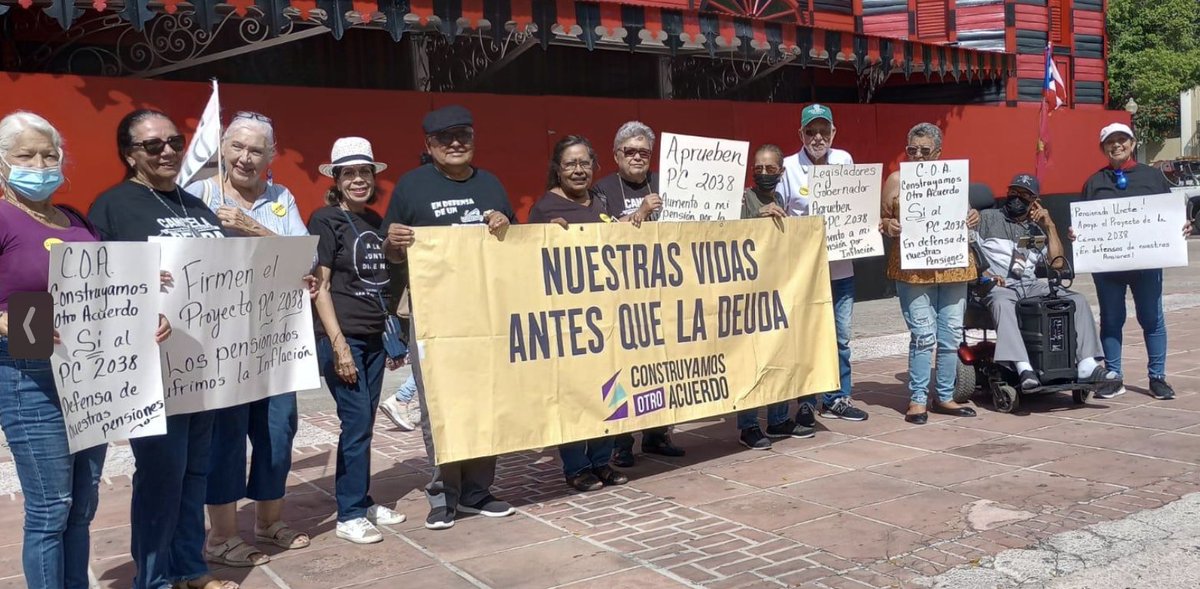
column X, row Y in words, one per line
column 816, row 135
column 449, row 191
column 631, row 194
column 1012, row 271
column 1125, row 177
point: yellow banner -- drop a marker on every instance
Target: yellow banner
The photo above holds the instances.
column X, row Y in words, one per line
column 553, row 335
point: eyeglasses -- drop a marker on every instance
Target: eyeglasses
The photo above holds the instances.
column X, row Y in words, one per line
column 815, row 132
column 463, row 135
column 585, row 165
column 767, row 169
column 914, row 150
column 253, row 116
column 157, row 146
column 632, row 152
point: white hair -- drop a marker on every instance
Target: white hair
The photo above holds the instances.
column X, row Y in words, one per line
column 254, row 126
column 631, row 130
column 18, row 122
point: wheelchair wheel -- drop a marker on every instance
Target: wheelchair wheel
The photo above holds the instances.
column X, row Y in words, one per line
column 1080, row 396
column 1005, row 398
column 964, row 385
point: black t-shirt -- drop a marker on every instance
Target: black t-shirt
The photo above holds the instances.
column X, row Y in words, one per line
column 624, row 197
column 135, row 212
column 425, row 197
column 1142, row 180
column 551, row 206
column 358, row 269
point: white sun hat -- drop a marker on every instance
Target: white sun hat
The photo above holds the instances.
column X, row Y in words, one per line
column 350, row 151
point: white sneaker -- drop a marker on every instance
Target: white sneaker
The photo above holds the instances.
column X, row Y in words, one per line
column 399, row 413
column 382, row 516
column 359, row 531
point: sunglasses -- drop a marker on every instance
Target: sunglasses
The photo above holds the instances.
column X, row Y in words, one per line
column 464, row 136
column 632, row 152
column 815, row 132
column 253, row 116
column 157, row 146
column 914, row 150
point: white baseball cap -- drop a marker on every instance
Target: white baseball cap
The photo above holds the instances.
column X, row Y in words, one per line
column 1106, row 132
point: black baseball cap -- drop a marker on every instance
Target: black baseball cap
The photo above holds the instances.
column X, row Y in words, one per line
column 1027, row 182
column 447, row 117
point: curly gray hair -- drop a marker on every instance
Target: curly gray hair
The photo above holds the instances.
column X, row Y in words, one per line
column 927, row 130
column 631, row 130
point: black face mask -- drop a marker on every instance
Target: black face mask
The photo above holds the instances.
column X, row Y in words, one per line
column 1015, row 207
column 767, row 182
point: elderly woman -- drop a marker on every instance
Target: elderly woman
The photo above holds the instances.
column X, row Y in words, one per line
column 932, row 301
column 167, row 512
column 1125, row 177
column 570, row 199
column 61, row 489
column 353, row 278
column 247, row 205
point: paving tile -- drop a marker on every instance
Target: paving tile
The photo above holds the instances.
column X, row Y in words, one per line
column 994, row 421
column 544, row 565
column 693, row 488
column 110, row 542
column 1096, row 435
column 856, row 538
column 434, row 576
column 940, row 470
column 852, row 489
column 765, row 510
column 938, row 436
column 861, row 453
column 478, row 536
column 1166, row 417
column 927, row 512
column 773, row 471
column 1118, row 469
column 1019, row 451
column 628, row 579
column 1032, row 491
column 337, row 563
column 1172, row 446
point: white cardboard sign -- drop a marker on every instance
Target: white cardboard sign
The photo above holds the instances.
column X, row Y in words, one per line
column 933, row 214
column 1134, row 233
column 848, row 197
column 701, row 178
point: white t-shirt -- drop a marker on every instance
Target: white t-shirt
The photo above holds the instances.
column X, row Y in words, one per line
column 794, row 189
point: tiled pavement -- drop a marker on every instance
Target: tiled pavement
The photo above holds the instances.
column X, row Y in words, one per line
column 872, row 504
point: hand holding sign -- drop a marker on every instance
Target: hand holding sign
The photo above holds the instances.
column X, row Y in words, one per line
column 933, row 214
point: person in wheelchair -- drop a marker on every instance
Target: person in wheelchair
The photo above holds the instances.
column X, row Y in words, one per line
column 1013, row 241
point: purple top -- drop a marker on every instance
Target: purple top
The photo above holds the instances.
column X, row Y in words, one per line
column 25, row 250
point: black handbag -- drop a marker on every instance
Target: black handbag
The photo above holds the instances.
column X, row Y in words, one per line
column 393, row 333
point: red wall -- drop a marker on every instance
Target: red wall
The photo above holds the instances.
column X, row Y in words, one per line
column 515, row 133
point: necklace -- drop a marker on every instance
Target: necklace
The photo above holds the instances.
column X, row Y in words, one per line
column 182, row 207
column 43, row 218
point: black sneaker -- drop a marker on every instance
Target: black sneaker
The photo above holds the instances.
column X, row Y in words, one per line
column 585, row 482
column 661, row 445
column 1159, row 389
column 489, row 507
column 805, row 416
column 754, row 439
column 623, row 457
column 1110, row 389
column 790, row 429
column 843, row 409
column 440, row 518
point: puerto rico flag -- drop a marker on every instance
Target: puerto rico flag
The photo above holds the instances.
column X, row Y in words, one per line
column 1054, row 93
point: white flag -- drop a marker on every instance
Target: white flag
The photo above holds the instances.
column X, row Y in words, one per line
column 206, row 142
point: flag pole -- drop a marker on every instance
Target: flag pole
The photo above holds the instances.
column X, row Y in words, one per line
column 220, row 155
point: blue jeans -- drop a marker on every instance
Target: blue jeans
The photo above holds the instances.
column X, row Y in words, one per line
column 271, row 425
column 934, row 314
column 61, row 489
column 356, row 406
column 408, row 390
column 1147, row 301
column 167, row 513
column 580, row 456
column 777, row 413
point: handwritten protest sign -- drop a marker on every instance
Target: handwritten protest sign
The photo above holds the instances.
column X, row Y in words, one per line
column 242, row 318
column 606, row 328
column 933, row 214
column 848, row 197
column 107, row 367
column 700, row 178
column 1134, row 233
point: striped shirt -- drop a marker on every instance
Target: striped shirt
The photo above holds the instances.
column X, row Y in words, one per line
column 276, row 209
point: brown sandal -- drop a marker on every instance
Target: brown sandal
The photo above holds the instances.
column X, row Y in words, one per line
column 282, row 536
column 234, row 552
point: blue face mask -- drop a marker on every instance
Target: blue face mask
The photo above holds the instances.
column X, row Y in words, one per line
column 36, row 184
